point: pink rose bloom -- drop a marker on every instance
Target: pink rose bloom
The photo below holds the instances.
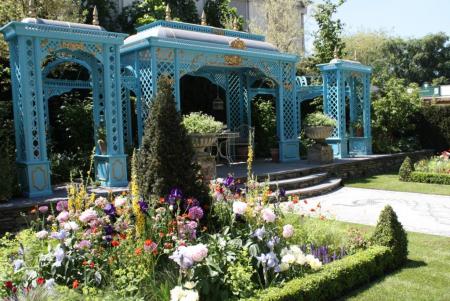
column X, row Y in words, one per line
column 120, row 201
column 197, row 252
column 239, row 207
column 288, row 231
column 268, row 215
column 88, row 215
column 63, row 217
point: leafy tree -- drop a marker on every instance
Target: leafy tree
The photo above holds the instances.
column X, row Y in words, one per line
column 220, row 13
column 394, row 111
column 281, row 25
column 328, row 40
column 165, row 159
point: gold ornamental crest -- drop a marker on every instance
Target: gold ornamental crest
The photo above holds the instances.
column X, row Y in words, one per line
column 238, row 44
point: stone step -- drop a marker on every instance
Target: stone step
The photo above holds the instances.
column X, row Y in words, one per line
column 300, row 182
column 324, row 187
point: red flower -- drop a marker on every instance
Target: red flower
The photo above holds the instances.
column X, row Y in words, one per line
column 148, row 242
column 9, row 284
column 115, row 243
column 161, row 234
column 168, row 245
column 155, row 251
column 84, row 263
column 91, row 265
column 123, row 236
column 40, row 281
column 75, row 284
column 138, row 251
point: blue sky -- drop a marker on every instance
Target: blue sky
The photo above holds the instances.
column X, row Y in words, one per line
column 405, row 18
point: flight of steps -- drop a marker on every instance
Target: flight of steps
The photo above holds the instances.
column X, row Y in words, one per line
column 305, row 183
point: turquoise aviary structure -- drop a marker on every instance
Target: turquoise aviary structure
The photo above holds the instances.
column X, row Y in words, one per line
column 243, row 64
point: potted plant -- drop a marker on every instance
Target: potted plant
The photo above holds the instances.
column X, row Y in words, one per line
column 203, row 130
column 101, row 138
column 319, row 126
column 357, row 128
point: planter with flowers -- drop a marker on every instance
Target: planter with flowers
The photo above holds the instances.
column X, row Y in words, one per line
column 203, row 131
column 319, row 127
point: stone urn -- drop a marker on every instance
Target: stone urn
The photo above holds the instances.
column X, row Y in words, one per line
column 204, row 159
column 320, row 152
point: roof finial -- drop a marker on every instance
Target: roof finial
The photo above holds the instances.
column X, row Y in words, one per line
column 95, row 16
column 203, row 18
column 336, row 53
column 354, row 54
column 31, row 9
column 168, row 12
column 235, row 24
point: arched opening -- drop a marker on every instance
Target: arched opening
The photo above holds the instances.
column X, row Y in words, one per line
column 200, row 94
column 264, row 122
column 69, row 116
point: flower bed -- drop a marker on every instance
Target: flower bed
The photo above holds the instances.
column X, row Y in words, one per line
column 171, row 248
column 435, row 170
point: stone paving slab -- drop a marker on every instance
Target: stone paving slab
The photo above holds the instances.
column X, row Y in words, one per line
column 424, row 213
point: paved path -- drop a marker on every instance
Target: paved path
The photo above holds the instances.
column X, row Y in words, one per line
column 425, row 213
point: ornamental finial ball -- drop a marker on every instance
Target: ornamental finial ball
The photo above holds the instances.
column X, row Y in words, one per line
column 203, row 18
column 95, row 16
column 168, row 13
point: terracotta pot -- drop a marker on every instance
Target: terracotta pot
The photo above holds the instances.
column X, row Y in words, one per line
column 359, row 132
column 318, row 132
column 275, row 152
column 102, row 146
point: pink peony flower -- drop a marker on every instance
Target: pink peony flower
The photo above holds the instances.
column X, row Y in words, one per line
column 197, row 252
column 268, row 215
column 88, row 215
column 239, row 207
column 63, row 217
column 120, row 201
column 42, row 234
column 288, row 231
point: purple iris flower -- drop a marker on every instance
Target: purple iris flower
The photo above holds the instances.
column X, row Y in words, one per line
column 282, row 192
column 108, row 238
column 143, row 205
column 108, row 230
column 228, row 181
column 259, row 233
column 110, row 209
column 175, row 194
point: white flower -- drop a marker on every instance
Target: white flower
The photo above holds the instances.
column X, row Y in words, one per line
column 313, row 262
column 284, row 267
column 71, row 226
column 288, row 258
column 42, row 234
column 268, row 215
column 180, row 294
column 239, row 207
column 120, row 201
column 197, row 252
column 63, row 216
column 18, row 263
column 288, row 231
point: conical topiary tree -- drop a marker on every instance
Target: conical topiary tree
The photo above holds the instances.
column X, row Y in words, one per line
column 389, row 232
column 165, row 158
column 404, row 173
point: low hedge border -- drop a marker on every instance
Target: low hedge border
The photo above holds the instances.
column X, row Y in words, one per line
column 334, row 279
column 428, row 177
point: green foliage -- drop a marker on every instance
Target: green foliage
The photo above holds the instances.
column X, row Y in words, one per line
column 389, row 232
column 394, row 111
column 220, row 13
column 432, row 178
column 264, row 117
column 165, row 159
column 433, row 126
column 334, row 279
column 319, row 119
column 8, row 186
column 327, row 40
column 404, row 174
column 199, row 123
column 436, row 164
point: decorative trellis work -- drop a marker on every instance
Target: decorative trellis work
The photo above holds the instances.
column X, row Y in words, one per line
column 31, row 46
column 234, row 100
column 347, row 82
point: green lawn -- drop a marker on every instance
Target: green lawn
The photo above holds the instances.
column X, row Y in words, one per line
column 391, row 182
column 426, row 276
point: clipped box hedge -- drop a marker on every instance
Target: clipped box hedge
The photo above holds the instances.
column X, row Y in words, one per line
column 427, row 177
column 334, row 279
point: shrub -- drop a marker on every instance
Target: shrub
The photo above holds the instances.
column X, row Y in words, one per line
column 319, row 119
column 433, row 126
column 432, row 178
column 198, row 123
column 389, row 232
column 165, row 159
column 404, row 173
column 8, row 185
column 334, row 279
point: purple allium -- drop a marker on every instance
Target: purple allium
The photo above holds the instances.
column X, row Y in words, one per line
column 62, row 205
column 143, row 205
column 195, row 213
column 43, row 209
column 228, row 181
column 109, row 209
column 84, row 244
